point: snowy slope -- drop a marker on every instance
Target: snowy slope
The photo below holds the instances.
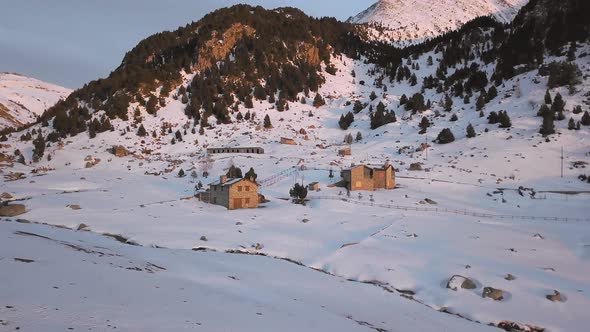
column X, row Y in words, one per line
column 22, row 99
column 410, row 21
column 60, row 280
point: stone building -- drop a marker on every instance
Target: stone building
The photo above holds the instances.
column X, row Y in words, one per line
column 234, row 194
column 253, row 150
column 363, row 177
column 344, row 152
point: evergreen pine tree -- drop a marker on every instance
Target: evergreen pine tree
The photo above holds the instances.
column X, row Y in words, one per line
column 403, row 100
column 424, row 124
column 504, row 120
column 38, row 147
column 493, row 118
column 558, row 104
column 251, row 175
column 318, row 101
column 267, row 123
column 543, row 109
column 359, row 136
column 373, row 96
column 298, row 193
column 445, row 136
column 481, row 102
column 585, row 119
column 448, row 103
column 470, row 131
column 141, row 132
column 492, row 93
column 358, row 106
column 548, row 97
column 571, row 125
column 234, row 172
column 547, row 128
column 151, row 105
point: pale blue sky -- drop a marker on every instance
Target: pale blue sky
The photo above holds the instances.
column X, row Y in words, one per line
column 70, row 42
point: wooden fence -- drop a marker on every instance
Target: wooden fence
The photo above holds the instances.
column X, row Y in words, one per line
column 463, row 212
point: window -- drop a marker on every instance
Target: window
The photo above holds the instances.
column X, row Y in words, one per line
column 239, row 188
column 247, row 188
column 247, row 201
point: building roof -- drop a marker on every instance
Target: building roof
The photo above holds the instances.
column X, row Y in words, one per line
column 229, row 182
column 378, row 167
column 235, row 147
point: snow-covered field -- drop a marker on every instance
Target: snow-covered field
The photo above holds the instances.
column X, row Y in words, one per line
column 402, row 250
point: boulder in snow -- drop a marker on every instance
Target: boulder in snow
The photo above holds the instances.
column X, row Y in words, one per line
column 12, row 210
column 555, row 297
column 459, row 281
column 493, row 293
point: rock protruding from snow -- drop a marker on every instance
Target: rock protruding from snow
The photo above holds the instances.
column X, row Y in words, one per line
column 12, row 210
column 459, row 281
column 406, row 22
column 493, row 293
column 555, row 297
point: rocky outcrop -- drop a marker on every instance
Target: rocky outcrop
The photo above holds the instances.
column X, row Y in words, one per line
column 218, row 47
column 120, row 151
column 310, row 54
column 12, row 210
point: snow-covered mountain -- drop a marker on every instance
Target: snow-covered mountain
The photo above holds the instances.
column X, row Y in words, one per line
column 410, row 21
column 485, row 201
column 22, row 99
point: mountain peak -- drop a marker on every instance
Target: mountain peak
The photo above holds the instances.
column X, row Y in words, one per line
column 23, row 99
column 410, row 21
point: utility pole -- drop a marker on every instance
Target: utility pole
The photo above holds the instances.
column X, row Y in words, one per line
column 561, row 161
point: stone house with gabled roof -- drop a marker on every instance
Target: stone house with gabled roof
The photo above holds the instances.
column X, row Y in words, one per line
column 233, row 194
column 363, row 177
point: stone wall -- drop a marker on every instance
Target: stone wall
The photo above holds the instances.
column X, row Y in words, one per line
column 243, row 194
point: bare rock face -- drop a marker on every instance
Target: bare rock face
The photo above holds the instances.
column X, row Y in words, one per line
column 493, row 293
column 220, row 45
column 74, row 207
column 555, row 297
column 457, row 281
column 12, row 210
